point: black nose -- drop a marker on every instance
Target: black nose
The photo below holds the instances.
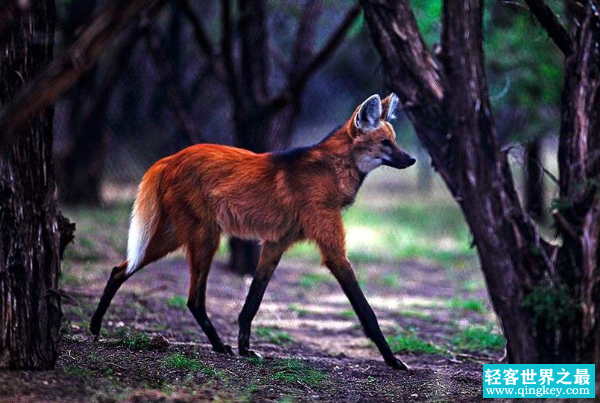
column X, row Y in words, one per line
column 411, row 161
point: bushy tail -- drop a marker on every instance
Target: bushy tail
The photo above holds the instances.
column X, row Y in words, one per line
column 144, row 219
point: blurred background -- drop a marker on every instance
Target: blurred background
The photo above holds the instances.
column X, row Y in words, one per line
column 165, row 85
column 269, row 78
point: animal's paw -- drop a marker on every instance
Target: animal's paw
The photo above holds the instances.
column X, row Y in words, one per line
column 397, row 364
column 225, row 349
column 95, row 326
column 250, row 354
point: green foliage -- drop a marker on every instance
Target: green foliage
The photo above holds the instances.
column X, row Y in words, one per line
column 524, row 66
column 472, row 305
column 298, row 309
column 312, row 280
column 428, row 14
column 550, row 305
column 415, row 315
column 472, row 285
column 293, row 370
column 178, row 302
column 391, row 280
column 131, row 339
column 524, row 69
column 255, row 361
column 410, row 343
column 273, row 336
column 180, row 361
column 348, row 313
column 101, row 233
column 478, row 338
column 76, row 371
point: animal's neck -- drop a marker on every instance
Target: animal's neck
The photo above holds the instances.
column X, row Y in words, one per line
column 336, row 150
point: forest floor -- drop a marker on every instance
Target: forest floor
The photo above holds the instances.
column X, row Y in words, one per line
column 414, row 264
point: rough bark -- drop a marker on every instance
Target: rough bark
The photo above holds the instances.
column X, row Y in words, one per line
column 578, row 211
column 447, row 101
column 30, row 245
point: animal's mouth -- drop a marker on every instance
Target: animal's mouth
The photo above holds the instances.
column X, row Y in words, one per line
column 400, row 163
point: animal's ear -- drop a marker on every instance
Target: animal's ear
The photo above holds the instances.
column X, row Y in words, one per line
column 389, row 105
column 369, row 113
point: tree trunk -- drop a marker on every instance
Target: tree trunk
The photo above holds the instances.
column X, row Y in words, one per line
column 252, row 128
column 546, row 296
column 534, row 179
column 30, row 311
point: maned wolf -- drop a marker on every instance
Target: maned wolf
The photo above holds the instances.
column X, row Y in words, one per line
column 189, row 199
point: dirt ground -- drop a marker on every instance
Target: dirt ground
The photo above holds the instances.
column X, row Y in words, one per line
column 152, row 350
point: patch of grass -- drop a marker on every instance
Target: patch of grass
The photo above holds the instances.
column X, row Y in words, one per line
column 177, row 301
column 410, row 343
column 478, row 338
column 80, row 372
column 192, row 365
column 180, row 361
column 255, row 361
column 133, row 340
column 293, row 370
column 273, row 336
column 100, row 232
column 415, row 314
column 472, row 285
column 298, row 309
column 312, row 280
column 348, row 313
column 473, row 305
column 391, row 280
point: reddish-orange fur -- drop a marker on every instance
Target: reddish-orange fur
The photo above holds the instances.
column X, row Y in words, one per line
column 279, row 198
column 209, row 188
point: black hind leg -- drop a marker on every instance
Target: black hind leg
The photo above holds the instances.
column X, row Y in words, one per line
column 200, row 256
column 116, row 280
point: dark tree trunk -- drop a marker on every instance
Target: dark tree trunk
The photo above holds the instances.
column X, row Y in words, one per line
column 534, row 179
column 252, row 129
column 30, row 311
column 546, row 296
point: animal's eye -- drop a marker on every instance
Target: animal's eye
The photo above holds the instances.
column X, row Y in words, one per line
column 386, row 143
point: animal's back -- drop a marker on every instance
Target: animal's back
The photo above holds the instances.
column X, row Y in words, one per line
column 239, row 190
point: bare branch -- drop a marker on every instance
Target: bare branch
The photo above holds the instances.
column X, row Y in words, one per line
column 64, row 72
column 227, row 50
column 279, row 58
column 169, row 79
column 552, row 25
column 305, row 37
column 203, row 40
column 334, row 41
column 200, row 33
